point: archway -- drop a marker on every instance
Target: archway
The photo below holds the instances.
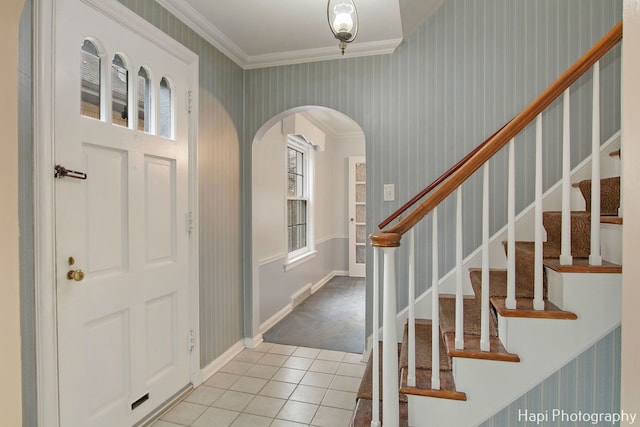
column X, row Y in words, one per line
column 282, row 281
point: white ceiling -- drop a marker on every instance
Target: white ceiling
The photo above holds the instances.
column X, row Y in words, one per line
column 260, row 33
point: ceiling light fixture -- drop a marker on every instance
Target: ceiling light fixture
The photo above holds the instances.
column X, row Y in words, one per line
column 343, row 21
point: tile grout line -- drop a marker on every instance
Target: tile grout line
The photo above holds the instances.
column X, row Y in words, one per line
column 251, row 376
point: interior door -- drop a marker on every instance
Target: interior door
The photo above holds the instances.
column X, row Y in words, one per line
column 122, row 250
column 357, row 216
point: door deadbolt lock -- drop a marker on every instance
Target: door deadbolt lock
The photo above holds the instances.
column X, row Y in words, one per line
column 76, row 275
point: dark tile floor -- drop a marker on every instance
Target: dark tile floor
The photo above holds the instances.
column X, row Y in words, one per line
column 333, row 319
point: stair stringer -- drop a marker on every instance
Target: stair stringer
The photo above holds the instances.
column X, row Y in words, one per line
column 544, row 346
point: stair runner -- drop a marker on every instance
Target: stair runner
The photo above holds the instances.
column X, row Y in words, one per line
column 552, row 221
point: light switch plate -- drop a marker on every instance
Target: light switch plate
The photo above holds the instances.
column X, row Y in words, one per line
column 389, row 193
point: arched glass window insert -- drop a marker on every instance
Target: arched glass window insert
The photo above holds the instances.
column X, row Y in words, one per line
column 90, row 87
column 144, row 100
column 166, row 109
column 119, row 92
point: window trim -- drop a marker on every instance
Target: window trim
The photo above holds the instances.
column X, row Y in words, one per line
column 297, row 257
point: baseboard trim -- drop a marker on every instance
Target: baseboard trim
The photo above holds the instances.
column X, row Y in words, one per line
column 270, row 322
column 217, row 364
column 253, row 342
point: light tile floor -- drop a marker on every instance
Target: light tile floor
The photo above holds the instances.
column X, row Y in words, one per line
column 274, row 385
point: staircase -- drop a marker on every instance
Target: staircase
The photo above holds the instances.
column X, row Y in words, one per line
column 484, row 348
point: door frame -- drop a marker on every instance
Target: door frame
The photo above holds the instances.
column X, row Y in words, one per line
column 351, row 190
column 44, row 190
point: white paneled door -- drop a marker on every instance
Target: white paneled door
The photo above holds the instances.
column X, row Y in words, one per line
column 122, row 246
column 357, row 216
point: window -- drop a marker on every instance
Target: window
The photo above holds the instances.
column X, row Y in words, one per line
column 125, row 95
column 166, row 109
column 299, row 184
column 144, row 101
column 119, row 92
column 296, row 200
column 90, row 85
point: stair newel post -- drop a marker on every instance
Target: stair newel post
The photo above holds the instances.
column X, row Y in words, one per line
column 595, row 257
column 375, row 348
column 390, row 386
column 411, row 374
column 435, row 310
column 459, row 291
column 510, row 302
column 538, row 281
column 484, row 300
column 565, row 246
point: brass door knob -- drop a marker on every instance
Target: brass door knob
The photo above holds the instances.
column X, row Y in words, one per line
column 76, row 275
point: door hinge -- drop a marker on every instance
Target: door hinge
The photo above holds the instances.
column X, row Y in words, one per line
column 189, row 222
column 192, row 340
column 189, row 101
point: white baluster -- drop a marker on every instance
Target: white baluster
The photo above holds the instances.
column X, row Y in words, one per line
column 390, row 389
column 565, row 250
column 411, row 374
column 435, row 313
column 484, row 300
column 375, row 349
column 511, row 230
column 595, row 257
column 459, row 292
column 538, row 290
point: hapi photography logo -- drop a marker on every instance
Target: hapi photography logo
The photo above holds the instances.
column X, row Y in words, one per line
column 560, row 415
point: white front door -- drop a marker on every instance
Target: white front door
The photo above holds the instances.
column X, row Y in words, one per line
column 357, row 216
column 122, row 246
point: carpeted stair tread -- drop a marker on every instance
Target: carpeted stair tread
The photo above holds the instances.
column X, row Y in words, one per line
column 364, row 408
column 423, row 347
column 525, row 263
column 580, row 265
column 472, row 309
column 497, row 284
column 609, row 194
column 472, row 350
column 611, row 220
column 524, row 308
column 447, row 388
column 365, row 391
column 580, row 232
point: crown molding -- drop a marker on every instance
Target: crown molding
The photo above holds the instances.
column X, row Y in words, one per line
column 354, row 50
column 192, row 18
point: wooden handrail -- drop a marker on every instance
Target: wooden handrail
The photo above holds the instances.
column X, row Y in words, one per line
column 435, row 183
column 503, row 136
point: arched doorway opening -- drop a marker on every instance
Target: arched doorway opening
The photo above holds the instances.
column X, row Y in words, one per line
column 308, row 186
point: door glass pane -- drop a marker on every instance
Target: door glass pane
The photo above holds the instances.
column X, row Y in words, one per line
column 166, row 109
column 144, row 101
column 361, row 213
column 361, row 172
column 119, row 92
column 90, row 80
column 361, row 193
column 361, row 254
column 360, row 234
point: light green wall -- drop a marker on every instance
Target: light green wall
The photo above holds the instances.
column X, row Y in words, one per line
column 465, row 72
column 585, row 384
column 220, row 119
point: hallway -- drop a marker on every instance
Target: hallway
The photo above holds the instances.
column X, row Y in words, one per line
column 333, row 318
column 274, row 385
